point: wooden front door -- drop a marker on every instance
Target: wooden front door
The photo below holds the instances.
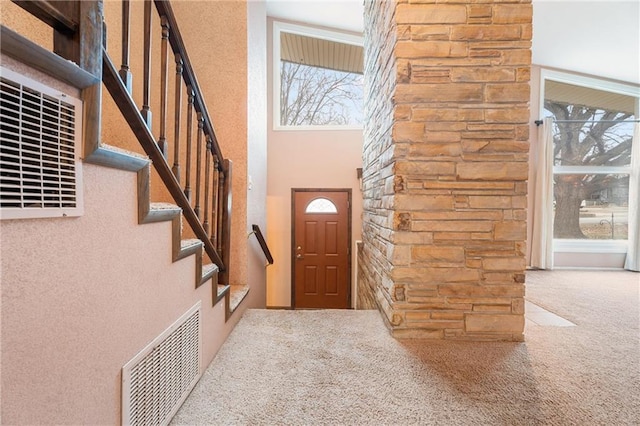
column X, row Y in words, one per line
column 321, row 255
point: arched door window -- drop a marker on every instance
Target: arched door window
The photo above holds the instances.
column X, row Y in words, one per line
column 321, row 205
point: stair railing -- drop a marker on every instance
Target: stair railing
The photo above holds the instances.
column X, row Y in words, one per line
column 263, row 243
column 206, row 207
column 205, row 198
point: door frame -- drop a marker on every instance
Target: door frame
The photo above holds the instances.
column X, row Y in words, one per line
column 293, row 239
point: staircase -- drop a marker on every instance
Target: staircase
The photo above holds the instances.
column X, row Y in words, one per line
column 110, row 285
column 193, row 172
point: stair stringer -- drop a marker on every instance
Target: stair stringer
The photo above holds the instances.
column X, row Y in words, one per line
column 148, row 212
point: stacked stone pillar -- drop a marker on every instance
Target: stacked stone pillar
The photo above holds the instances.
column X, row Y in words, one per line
column 445, row 166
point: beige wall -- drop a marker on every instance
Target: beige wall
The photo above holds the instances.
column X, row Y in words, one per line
column 22, row 22
column 305, row 159
column 82, row 296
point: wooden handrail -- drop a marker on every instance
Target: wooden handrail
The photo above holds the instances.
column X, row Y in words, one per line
column 263, row 243
column 130, row 112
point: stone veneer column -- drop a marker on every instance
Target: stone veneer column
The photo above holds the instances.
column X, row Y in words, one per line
column 445, row 166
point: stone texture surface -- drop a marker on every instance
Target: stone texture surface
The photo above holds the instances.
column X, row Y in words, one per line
column 445, row 167
column 365, row 294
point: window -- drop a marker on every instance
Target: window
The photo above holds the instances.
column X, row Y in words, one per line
column 321, row 205
column 318, row 80
column 593, row 130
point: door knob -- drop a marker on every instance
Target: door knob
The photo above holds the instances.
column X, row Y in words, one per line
column 299, row 256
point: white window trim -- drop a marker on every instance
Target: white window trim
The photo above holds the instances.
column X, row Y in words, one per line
column 584, row 81
column 591, row 170
column 279, row 27
column 588, row 246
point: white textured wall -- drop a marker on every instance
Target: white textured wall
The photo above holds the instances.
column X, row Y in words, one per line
column 534, row 107
column 257, row 147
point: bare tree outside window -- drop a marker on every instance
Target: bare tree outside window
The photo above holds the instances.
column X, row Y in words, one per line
column 590, row 204
column 318, row 96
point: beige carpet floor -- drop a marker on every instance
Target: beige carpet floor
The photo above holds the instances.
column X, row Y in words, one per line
column 343, row 368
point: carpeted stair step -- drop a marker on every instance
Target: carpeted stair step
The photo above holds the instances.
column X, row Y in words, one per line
column 160, row 212
column 209, row 270
column 113, row 156
column 204, row 272
column 237, row 293
column 189, row 247
column 223, row 290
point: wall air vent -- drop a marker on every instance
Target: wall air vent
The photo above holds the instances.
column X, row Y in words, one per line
column 40, row 134
column 156, row 382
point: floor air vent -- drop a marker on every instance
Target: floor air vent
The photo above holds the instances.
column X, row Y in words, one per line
column 157, row 380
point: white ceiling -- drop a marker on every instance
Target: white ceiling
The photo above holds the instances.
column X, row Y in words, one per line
column 601, row 38
column 344, row 15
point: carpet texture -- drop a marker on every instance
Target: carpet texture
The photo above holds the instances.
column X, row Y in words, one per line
column 343, row 367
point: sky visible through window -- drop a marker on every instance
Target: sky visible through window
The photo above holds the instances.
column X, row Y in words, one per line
column 318, row 96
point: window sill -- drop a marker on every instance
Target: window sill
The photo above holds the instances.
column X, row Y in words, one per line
column 589, row 246
column 315, row 128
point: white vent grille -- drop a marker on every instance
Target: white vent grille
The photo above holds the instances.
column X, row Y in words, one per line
column 39, row 138
column 156, row 382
